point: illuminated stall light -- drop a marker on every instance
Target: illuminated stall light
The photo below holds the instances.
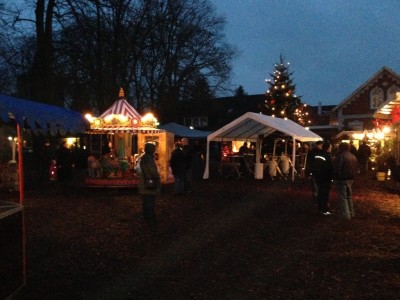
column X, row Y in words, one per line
column 386, row 129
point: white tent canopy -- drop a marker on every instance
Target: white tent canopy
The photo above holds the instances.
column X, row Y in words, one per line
column 254, row 127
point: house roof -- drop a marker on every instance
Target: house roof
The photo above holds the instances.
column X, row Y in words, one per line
column 41, row 118
column 370, row 80
column 251, row 126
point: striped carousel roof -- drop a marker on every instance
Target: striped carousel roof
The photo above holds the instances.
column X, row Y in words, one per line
column 132, row 124
column 122, row 107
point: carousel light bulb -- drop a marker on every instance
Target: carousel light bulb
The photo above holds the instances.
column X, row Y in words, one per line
column 89, row 117
column 108, row 118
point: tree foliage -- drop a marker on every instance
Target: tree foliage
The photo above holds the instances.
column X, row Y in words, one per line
column 157, row 50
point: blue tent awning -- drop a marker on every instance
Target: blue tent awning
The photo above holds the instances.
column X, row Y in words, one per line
column 183, row 131
column 41, row 118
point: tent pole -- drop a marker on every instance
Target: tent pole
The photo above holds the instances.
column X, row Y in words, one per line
column 206, row 171
column 293, row 157
column 258, row 149
column 273, row 151
column 20, row 166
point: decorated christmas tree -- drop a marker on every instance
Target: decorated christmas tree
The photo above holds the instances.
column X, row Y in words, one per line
column 281, row 100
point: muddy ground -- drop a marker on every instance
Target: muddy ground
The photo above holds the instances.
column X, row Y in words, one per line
column 228, row 239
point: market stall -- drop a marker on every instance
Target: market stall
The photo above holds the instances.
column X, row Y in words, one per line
column 253, row 127
column 121, row 133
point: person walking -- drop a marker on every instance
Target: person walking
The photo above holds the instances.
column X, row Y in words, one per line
column 322, row 172
column 309, row 170
column 177, row 163
column 345, row 168
column 149, row 171
column 363, row 155
column 188, row 151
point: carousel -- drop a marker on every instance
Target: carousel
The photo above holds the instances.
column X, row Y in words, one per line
column 116, row 142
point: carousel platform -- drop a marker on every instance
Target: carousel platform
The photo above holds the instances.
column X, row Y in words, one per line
column 128, row 182
column 111, row 182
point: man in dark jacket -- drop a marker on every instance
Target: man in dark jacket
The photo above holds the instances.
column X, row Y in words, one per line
column 310, row 169
column 322, row 171
column 345, row 168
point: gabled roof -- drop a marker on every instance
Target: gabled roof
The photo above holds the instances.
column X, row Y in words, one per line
column 41, row 118
column 369, row 81
column 252, row 125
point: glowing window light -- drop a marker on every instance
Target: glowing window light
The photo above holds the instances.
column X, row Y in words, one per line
column 70, row 141
column 358, row 136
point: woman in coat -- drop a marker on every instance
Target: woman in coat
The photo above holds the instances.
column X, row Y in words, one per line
column 149, row 170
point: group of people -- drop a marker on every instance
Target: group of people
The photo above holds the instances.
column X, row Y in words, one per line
column 323, row 168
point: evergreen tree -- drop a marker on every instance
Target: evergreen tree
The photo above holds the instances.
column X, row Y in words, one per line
column 281, row 100
column 240, row 92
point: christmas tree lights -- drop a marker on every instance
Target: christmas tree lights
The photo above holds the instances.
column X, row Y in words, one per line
column 281, row 100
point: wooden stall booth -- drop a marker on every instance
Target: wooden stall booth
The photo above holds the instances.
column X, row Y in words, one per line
column 116, row 141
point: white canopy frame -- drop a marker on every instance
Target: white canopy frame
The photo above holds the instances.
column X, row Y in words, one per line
column 254, row 127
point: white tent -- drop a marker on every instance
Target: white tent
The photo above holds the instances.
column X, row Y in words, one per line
column 254, row 127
